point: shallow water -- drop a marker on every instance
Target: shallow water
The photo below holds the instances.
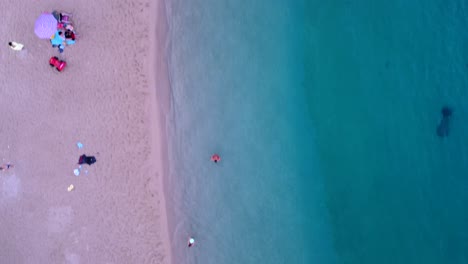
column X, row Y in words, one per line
column 237, row 82
column 325, row 116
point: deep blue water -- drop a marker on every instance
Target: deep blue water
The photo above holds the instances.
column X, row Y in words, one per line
column 325, row 115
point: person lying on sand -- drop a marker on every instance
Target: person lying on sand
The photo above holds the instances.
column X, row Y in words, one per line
column 69, row 34
column 90, row 160
column 15, row 45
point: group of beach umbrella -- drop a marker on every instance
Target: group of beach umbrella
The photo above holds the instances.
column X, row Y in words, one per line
column 50, row 25
column 58, row 29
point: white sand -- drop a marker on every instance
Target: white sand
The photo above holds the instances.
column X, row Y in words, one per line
column 105, row 98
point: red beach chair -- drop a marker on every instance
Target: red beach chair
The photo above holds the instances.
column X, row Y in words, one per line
column 57, row 63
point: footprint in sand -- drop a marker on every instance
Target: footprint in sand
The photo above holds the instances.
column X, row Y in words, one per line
column 11, row 186
column 72, row 258
column 59, row 219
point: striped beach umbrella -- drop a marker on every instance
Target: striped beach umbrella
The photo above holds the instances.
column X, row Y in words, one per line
column 46, row 26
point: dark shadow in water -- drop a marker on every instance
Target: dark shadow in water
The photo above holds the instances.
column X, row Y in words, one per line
column 444, row 125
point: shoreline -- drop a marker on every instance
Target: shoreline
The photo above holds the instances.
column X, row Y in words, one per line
column 159, row 92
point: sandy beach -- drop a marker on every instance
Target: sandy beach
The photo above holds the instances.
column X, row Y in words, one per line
column 111, row 97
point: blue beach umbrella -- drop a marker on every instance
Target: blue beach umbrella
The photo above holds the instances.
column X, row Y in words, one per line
column 46, row 26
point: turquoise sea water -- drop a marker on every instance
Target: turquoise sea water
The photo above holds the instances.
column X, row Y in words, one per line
column 378, row 75
column 325, row 115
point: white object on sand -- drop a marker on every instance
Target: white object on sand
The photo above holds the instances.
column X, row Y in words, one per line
column 79, row 145
column 71, row 187
column 77, row 172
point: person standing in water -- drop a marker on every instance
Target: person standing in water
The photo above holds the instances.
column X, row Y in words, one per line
column 15, row 46
column 191, row 241
column 215, row 158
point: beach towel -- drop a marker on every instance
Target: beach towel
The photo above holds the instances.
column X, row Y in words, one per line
column 56, row 39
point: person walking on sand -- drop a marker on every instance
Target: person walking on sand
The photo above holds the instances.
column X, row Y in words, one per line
column 15, row 45
column 5, row 167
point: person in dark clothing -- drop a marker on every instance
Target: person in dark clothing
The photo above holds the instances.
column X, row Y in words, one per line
column 86, row 159
column 5, row 167
column 69, row 34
